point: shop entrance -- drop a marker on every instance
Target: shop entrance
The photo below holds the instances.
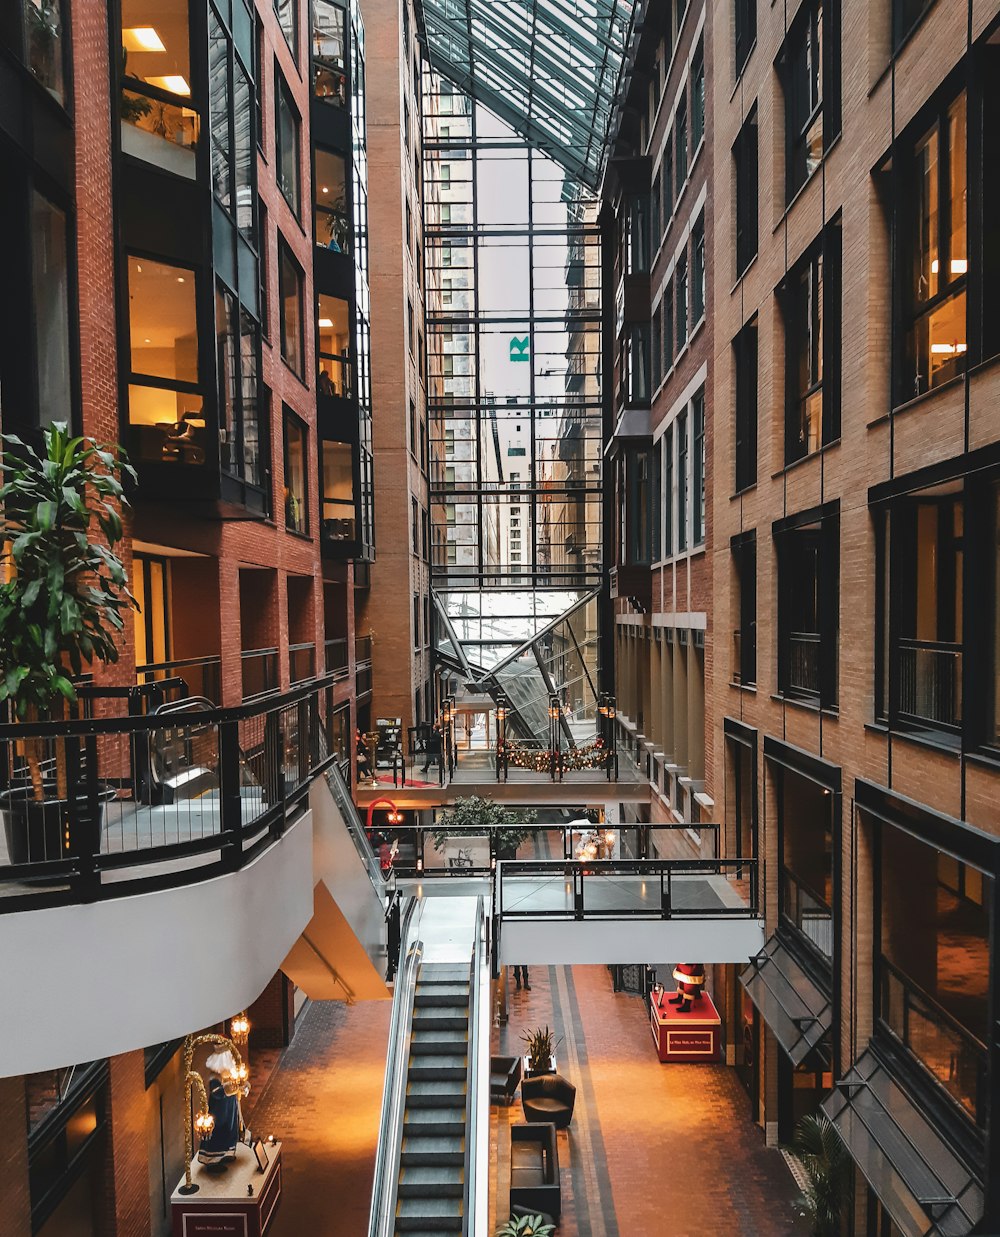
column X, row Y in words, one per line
column 801, row 1088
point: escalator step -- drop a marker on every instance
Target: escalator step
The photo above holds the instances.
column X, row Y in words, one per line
column 427, row 1042
column 432, row 1150
column 434, row 1019
column 441, row 994
column 436, row 1121
column 431, row 1181
column 441, row 1214
column 438, row 1065
column 435, row 1093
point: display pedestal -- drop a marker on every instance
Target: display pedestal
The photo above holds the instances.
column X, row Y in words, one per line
column 222, row 1207
column 694, row 1036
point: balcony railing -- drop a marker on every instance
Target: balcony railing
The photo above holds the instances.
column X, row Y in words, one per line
column 166, row 798
column 301, row 662
column 363, row 650
column 930, row 681
column 804, row 663
column 260, row 672
column 335, row 656
column 807, row 913
column 202, row 675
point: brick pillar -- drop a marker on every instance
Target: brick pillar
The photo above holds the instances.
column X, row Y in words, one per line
column 272, row 1015
column 15, row 1196
column 126, row 1209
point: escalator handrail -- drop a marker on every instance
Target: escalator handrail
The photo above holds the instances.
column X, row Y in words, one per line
column 349, row 813
column 382, row 1218
column 476, row 1191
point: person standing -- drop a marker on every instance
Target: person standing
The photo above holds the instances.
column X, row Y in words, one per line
column 521, row 973
column 433, row 754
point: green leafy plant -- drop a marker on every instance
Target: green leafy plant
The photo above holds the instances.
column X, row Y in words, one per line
column 64, row 590
column 826, row 1163
column 476, row 815
column 526, row 1226
column 541, row 1047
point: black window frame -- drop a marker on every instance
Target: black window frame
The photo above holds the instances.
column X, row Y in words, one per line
column 698, row 462
column 290, row 416
column 283, row 97
column 698, row 99
column 809, row 67
column 291, row 42
column 682, row 480
column 285, row 250
column 746, row 187
column 743, row 548
column 699, row 274
column 745, row 371
column 744, row 32
column 808, row 548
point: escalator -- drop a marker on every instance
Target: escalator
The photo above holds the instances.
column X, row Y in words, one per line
column 432, row 1160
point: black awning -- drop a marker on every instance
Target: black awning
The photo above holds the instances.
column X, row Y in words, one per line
column 921, row 1182
column 796, row 1010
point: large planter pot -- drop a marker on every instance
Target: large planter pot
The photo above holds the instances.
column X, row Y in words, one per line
column 40, row 829
column 537, row 1073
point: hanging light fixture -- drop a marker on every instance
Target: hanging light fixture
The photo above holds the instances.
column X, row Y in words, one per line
column 239, row 1028
column 204, row 1123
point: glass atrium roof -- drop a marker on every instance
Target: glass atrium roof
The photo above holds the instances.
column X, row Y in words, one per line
column 550, row 68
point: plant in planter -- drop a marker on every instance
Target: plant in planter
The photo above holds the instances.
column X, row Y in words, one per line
column 541, row 1049
column 61, row 606
column 827, row 1167
column 475, row 815
column 526, row 1226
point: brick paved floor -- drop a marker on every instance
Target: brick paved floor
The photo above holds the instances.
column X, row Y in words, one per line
column 323, row 1101
column 642, row 1130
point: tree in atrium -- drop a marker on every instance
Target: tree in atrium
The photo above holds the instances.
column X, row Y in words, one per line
column 475, row 816
column 826, row 1163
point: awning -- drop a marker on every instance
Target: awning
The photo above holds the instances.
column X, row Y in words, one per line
column 924, row 1186
column 792, row 1005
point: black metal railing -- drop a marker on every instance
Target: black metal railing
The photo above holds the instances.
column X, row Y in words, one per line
column 807, row 912
column 804, row 662
column 363, row 650
column 201, row 675
column 301, row 662
column 930, row 681
column 626, row 889
column 105, row 806
column 260, row 672
column 335, row 657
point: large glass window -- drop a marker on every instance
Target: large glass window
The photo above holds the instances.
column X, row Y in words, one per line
column 333, row 221
column 745, row 365
column 218, row 102
column 745, row 170
column 682, row 481
column 934, row 255
column 296, row 474
column 810, row 74
column 745, row 28
column 240, row 414
column 288, row 19
column 681, row 303
column 698, row 271
column 698, row 469
column 159, row 123
column 45, row 34
column 333, row 320
column 698, row 96
column 934, row 965
column 744, row 550
column 338, row 492
column 50, row 300
column 290, row 308
column 806, row 869
column 809, row 610
column 329, row 76
column 286, row 130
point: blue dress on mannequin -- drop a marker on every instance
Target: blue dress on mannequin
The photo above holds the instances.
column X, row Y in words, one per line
column 220, row 1146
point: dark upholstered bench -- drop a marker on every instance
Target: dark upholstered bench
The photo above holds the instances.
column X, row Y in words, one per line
column 505, row 1074
column 534, row 1168
column 548, row 1098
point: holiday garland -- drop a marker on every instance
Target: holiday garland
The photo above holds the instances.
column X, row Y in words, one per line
column 539, row 760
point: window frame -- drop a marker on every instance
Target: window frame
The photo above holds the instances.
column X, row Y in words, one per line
column 746, row 184
column 818, row 529
column 745, row 370
column 290, row 416
column 283, row 96
column 285, row 250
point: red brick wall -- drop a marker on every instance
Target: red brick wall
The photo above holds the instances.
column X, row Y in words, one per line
column 125, row 1210
column 15, row 1198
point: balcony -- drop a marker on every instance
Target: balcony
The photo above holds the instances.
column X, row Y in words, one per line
column 335, row 657
column 634, row 581
column 930, row 683
column 804, row 664
column 200, row 676
column 301, row 662
column 260, row 672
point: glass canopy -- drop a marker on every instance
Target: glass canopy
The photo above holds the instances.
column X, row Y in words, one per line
column 549, row 68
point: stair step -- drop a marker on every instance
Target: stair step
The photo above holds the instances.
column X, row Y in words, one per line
column 434, row 1121
column 440, row 1020
column 435, row 1093
column 438, row 1065
column 431, row 1181
column 441, row 994
column 432, row 1149
column 425, row 1042
column 446, row 972
column 442, row 1214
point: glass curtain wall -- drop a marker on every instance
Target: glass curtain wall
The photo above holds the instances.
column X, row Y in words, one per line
column 514, row 403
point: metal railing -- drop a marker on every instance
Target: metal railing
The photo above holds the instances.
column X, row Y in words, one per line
column 382, row 1218
column 930, row 681
column 363, row 650
column 625, row 889
column 260, row 672
column 335, row 657
column 477, row 1129
column 803, row 662
column 202, row 675
column 101, row 807
column 355, row 827
column 301, row 662
column 807, row 912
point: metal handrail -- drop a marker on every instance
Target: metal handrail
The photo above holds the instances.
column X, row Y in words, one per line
column 382, row 1218
column 475, row 1209
column 355, row 827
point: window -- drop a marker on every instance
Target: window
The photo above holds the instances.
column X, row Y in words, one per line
column 668, row 180
column 745, row 167
column 744, row 551
column 805, row 879
column 668, row 328
column 681, row 144
column 905, row 15
column 296, row 471
column 415, row 523
column 409, row 325
column 698, row 470
column 934, row 938
column 668, row 492
column 240, row 415
column 657, row 346
column 811, row 309
column 290, row 308
column 334, row 350
column 413, row 428
column 698, row 273
column 37, row 32
column 263, row 267
column 165, row 405
column 637, row 364
column 656, row 212
column 286, row 142
column 637, row 235
column 745, row 28
column 745, row 365
column 332, row 225
column 159, row 124
column 933, row 258
column 681, row 301
column 808, row 608
column 682, row 481
column 288, row 20
column 810, row 70
column 338, row 513
column 698, row 96
column 50, row 306
column 329, row 79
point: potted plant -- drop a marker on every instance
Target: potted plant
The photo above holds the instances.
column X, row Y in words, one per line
column 526, row 1226
column 62, row 600
column 476, row 816
column 826, row 1163
column 541, row 1050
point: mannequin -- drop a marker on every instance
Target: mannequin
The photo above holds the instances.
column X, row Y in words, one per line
column 690, row 978
column 224, row 1094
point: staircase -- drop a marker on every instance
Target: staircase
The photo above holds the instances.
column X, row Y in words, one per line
column 432, row 1159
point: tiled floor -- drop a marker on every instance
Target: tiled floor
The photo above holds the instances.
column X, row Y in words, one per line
column 652, row 1149
column 323, row 1101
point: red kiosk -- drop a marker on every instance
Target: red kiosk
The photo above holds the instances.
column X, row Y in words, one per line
column 686, row 1025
